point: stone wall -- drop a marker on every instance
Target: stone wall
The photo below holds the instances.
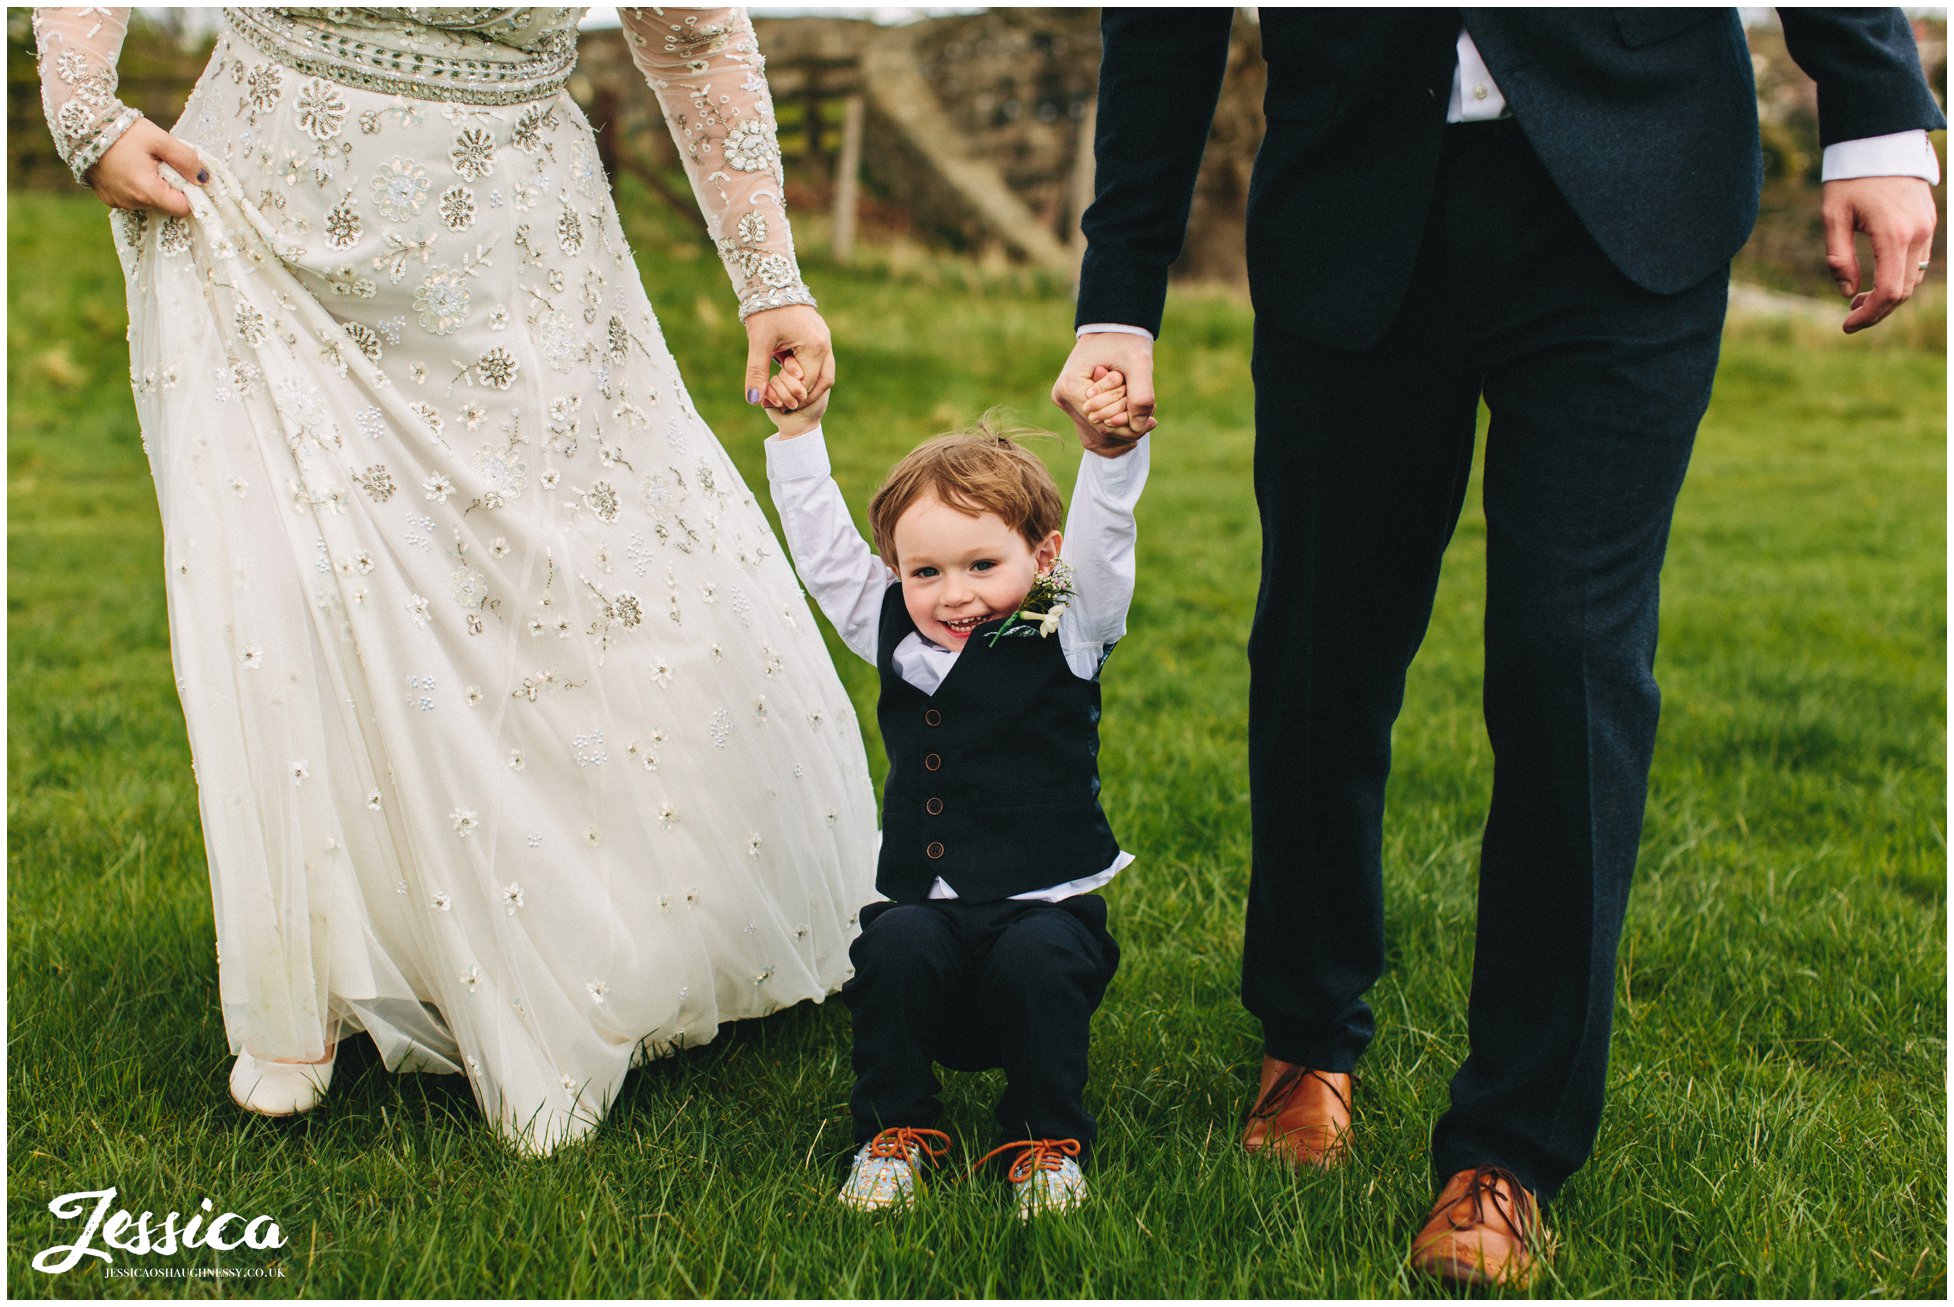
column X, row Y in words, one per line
column 992, row 158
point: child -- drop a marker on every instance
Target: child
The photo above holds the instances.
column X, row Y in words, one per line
column 991, row 949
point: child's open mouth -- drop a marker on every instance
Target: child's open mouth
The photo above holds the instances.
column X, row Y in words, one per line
column 963, row 626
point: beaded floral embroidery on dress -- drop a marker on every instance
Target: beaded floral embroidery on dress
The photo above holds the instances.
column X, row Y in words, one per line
column 453, row 560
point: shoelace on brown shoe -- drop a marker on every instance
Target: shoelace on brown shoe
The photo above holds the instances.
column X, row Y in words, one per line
column 1522, row 1217
column 1038, row 1155
column 1271, row 1103
column 898, row 1141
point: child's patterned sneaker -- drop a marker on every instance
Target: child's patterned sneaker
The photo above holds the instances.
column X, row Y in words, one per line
column 884, row 1173
column 1044, row 1175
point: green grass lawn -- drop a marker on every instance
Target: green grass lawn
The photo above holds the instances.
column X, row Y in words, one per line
column 1777, row 1116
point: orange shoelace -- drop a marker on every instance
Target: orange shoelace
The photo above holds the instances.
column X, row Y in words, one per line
column 1037, row 1155
column 899, row 1141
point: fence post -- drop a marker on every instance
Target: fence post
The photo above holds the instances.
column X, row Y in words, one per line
column 848, row 178
column 1082, row 180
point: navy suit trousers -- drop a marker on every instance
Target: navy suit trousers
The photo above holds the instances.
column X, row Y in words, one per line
column 1595, row 388
column 1010, row 983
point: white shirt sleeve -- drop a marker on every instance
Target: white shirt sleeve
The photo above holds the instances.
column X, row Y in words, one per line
column 1099, row 544
column 1119, row 328
column 835, row 564
column 1899, row 154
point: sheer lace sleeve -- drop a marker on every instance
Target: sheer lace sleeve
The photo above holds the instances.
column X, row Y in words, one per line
column 78, row 49
column 705, row 67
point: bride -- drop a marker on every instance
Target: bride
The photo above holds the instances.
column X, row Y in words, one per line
column 517, row 746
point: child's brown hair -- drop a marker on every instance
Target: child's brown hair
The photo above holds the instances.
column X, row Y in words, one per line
column 980, row 469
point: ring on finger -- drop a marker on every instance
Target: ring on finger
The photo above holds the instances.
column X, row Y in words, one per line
column 1925, row 264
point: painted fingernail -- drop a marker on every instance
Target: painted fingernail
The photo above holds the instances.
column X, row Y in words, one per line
column 203, row 174
column 752, row 396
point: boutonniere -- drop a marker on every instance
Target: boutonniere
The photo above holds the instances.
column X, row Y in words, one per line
column 1051, row 594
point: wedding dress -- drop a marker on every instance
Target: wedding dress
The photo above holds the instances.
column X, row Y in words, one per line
column 517, row 746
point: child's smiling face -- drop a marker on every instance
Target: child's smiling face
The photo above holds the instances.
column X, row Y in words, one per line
column 960, row 570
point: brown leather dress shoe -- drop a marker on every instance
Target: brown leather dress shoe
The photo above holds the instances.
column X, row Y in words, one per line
column 1302, row 1114
column 1485, row 1229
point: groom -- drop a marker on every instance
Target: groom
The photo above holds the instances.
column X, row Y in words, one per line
column 1537, row 207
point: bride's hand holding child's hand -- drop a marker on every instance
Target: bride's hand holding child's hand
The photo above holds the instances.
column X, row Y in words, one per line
column 127, row 176
column 788, row 387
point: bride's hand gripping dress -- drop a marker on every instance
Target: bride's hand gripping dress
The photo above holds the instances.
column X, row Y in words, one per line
column 516, row 743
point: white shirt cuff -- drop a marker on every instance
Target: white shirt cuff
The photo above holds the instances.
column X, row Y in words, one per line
column 1119, row 328
column 805, row 455
column 1114, row 476
column 1900, row 154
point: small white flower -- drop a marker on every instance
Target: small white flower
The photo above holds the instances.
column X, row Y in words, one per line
column 499, row 547
column 473, row 695
column 465, row 821
column 667, row 815
column 299, row 770
column 511, row 897
column 471, row 980
column 253, row 656
column 438, row 488
column 373, row 800
column 597, row 990
column 592, row 838
column 550, row 478
column 441, row 902
column 753, row 845
column 516, row 760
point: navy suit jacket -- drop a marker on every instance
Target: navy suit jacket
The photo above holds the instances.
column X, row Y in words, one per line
column 1646, row 119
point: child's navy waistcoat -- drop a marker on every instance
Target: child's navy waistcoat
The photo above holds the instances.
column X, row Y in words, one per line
column 994, row 779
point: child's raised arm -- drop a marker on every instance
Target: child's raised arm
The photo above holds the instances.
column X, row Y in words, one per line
column 1100, row 534
column 835, row 564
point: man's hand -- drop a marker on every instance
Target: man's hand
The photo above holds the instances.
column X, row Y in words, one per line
column 1897, row 215
column 127, row 176
column 1106, row 410
column 1097, row 354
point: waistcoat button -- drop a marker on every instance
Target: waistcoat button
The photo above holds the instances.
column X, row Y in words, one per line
column 932, row 718
column 934, row 807
column 934, row 762
column 935, row 850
